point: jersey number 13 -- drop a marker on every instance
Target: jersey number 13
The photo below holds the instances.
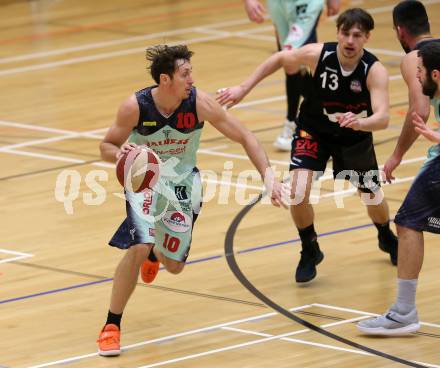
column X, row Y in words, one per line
column 330, row 80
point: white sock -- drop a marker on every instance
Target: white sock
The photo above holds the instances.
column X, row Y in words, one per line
column 406, row 295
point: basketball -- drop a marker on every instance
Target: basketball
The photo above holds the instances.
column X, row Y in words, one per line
column 138, row 169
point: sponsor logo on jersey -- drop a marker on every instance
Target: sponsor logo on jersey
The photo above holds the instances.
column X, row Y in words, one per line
column 167, row 141
column 166, row 133
column 176, row 221
column 152, row 232
column 356, row 86
column 149, row 123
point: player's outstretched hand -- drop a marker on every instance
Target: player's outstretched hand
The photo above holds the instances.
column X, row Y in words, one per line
column 333, row 7
column 423, row 129
column 255, row 10
column 390, row 165
column 230, row 96
column 279, row 193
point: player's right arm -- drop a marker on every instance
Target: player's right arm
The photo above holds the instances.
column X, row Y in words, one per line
column 255, row 10
column 127, row 118
column 333, row 7
column 290, row 60
column 418, row 103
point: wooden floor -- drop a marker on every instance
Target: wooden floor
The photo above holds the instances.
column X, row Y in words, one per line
column 65, row 65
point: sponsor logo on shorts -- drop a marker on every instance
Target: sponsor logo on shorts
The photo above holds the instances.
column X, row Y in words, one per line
column 304, row 134
column 132, row 231
column 149, row 123
column 148, row 200
column 176, row 221
column 434, row 222
column 305, row 147
column 356, row 86
column 180, row 191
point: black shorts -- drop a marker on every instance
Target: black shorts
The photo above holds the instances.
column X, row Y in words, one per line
column 355, row 162
column 420, row 210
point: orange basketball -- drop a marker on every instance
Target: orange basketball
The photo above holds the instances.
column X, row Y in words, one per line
column 138, row 169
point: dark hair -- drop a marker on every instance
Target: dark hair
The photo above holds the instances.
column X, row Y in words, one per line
column 430, row 54
column 355, row 17
column 163, row 59
column 412, row 15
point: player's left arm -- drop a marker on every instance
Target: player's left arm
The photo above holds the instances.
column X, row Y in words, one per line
column 210, row 110
column 377, row 84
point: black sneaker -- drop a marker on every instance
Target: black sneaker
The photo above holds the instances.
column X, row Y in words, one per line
column 388, row 244
column 310, row 257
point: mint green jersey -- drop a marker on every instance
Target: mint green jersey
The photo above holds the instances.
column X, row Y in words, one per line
column 176, row 136
column 434, row 151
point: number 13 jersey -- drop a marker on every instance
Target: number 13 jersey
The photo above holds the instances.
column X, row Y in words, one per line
column 334, row 91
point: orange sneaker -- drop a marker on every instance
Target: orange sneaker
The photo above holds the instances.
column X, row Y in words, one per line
column 109, row 341
column 149, row 271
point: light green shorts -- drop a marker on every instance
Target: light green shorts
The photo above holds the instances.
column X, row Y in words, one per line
column 164, row 217
column 294, row 20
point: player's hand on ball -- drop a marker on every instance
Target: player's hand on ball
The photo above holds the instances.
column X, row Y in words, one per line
column 126, row 147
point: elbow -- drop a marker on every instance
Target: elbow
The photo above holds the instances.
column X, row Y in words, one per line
column 102, row 150
column 424, row 115
column 385, row 120
column 421, row 108
column 382, row 122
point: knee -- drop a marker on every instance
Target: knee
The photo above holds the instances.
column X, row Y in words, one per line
column 402, row 230
column 139, row 252
column 298, row 196
column 174, row 267
column 299, row 193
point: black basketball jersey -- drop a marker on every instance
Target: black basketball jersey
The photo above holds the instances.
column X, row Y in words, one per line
column 334, row 91
column 425, row 41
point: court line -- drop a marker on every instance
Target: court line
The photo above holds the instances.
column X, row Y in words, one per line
column 326, row 346
column 206, row 27
column 110, row 25
column 356, row 311
column 240, row 276
column 92, row 134
column 96, row 57
column 283, row 337
column 41, row 128
column 220, row 34
column 19, row 255
column 207, row 328
column 287, row 338
column 116, row 42
column 194, row 261
column 170, row 337
column 53, row 291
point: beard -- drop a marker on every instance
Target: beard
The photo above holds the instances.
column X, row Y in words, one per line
column 429, row 87
column 405, row 47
